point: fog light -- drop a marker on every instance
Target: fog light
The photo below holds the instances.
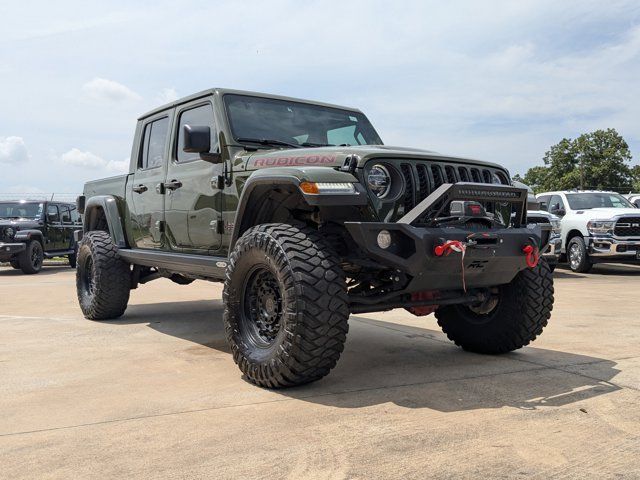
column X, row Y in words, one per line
column 384, row 239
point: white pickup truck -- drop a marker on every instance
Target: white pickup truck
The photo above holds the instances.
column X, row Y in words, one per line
column 596, row 227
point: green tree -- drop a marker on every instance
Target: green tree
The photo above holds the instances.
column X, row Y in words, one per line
column 635, row 171
column 596, row 160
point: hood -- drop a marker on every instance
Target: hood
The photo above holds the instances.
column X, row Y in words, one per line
column 607, row 213
column 18, row 222
column 335, row 156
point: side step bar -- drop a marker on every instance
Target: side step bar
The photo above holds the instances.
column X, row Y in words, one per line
column 205, row 265
column 58, row 253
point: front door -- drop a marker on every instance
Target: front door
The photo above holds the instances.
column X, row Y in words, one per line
column 146, row 187
column 193, row 200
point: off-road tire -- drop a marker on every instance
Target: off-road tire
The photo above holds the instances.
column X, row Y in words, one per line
column 583, row 265
column 32, row 258
column 15, row 263
column 312, row 329
column 103, row 279
column 523, row 310
column 73, row 258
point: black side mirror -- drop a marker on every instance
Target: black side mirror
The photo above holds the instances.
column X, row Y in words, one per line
column 197, row 139
column 556, row 210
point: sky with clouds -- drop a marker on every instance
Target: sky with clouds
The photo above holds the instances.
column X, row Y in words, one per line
column 495, row 80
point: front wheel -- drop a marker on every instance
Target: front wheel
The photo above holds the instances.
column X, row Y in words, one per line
column 32, row 258
column 286, row 306
column 103, row 279
column 578, row 256
column 514, row 316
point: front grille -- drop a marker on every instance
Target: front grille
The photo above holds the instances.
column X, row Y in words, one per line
column 422, row 178
column 409, row 180
column 627, row 227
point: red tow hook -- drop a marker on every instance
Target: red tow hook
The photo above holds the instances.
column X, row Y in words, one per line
column 532, row 255
column 449, row 246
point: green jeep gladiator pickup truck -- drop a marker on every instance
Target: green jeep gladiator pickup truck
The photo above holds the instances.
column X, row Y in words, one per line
column 306, row 217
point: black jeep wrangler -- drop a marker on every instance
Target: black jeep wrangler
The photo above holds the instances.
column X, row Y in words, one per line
column 306, row 217
column 32, row 230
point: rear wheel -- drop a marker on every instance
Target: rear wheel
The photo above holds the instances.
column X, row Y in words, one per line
column 73, row 257
column 286, row 306
column 32, row 258
column 103, row 279
column 577, row 256
column 515, row 315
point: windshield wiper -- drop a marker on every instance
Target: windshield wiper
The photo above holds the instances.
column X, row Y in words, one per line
column 268, row 141
column 312, row 144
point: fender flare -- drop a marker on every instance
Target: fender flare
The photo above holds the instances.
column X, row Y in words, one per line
column 292, row 178
column 109, row 206
column 27, row 235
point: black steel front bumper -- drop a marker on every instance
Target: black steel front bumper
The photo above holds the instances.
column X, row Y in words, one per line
column 8, row 250
column 495, row 261
column 492, row 257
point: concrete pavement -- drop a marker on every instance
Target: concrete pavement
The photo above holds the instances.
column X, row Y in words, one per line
column 156, row 394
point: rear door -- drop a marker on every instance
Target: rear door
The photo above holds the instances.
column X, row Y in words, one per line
column 146, row 187
column 67, row 227
column 192, row 208
column 53, row 229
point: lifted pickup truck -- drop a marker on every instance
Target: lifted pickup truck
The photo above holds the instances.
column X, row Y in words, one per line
column 306, row 217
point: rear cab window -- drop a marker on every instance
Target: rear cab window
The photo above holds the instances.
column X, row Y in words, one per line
column 154, row 142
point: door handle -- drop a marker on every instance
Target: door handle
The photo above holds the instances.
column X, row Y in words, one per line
column 173, row 185
column 139, row 188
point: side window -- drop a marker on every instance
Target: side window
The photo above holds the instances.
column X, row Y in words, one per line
column 555, row 203
column 544, row 202
column 52, row 214
column 154, row 142
column 75, row 216
column 201, row 116
column 65, row 214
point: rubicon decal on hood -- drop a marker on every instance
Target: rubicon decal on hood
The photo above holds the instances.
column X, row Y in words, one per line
column 293, row 161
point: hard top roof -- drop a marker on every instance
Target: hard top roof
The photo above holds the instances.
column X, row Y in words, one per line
column 222, row 91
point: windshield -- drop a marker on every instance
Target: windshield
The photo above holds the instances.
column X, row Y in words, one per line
column 585, row 201
column 266, row 121
column 20, row 210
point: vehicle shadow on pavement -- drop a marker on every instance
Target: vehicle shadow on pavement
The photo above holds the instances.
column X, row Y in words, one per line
column 599, row 269
column 409, row 366
column 46, row 270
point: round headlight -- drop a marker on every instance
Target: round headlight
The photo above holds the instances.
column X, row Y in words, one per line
column 9, row 232
column 379, row 181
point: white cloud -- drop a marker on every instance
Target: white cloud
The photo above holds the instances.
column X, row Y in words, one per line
column 85, row 159
column 13, row 150
column 167, row 95
column 103, row 90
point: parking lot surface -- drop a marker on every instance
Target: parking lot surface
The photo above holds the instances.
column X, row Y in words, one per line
column 156, row 394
